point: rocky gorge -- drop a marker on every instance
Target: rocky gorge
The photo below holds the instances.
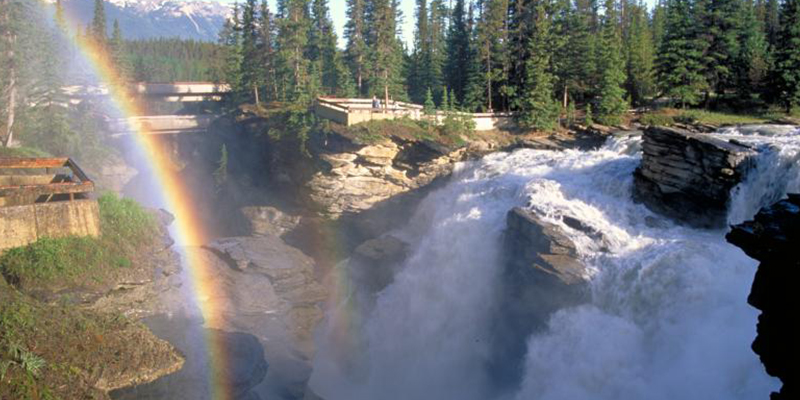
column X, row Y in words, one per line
column 385, row 201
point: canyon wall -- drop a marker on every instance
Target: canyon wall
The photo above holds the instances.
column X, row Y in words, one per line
column 773, row 238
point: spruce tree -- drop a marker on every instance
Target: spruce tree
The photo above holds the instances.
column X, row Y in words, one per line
column 386, row 52
column 458, row 52
column 752, row 62
column 118, row 54
column 639, row 55
column 266, row 52
column 356, row 52
column 679, row 63
column 491, row 51
column 99, row 32
column 291, row 41
column 723, row 32
column 250, row 67
column 787, row 56
column 536, row 107
column 611, row 105
column 322, row 47
column 230, row 39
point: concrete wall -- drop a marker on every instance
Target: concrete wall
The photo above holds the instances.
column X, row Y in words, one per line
column 20, row 225
column 354, row 111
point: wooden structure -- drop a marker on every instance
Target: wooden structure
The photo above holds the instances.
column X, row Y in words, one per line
column 61, row 179
column 45, row 197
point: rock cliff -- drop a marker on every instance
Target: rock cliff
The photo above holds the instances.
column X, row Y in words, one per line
column 689, row 176
column 773, row 238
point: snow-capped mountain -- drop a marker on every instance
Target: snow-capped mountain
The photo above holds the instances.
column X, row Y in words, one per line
column 139, row 19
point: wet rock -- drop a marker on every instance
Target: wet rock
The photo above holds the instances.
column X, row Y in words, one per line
column 374, row 262
column 541, row 275
column 773, row 238
column 265, row 220
column 688, row 176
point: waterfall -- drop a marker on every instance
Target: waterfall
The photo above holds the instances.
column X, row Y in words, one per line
column 667, row 319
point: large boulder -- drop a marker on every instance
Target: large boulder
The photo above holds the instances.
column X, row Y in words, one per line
column 689, row 176
column 373, row 264
column 773, row 238
column 541, row 275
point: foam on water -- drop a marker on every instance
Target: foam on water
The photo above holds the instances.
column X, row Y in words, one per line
column 668, row 317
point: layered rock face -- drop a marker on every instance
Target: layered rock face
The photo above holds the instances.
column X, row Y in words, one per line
column 689, row 176
column 773, row 238
column 541, row 275
column 356, row 177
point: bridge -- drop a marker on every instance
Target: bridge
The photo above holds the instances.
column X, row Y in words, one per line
column 184, row 92
column 160, row 124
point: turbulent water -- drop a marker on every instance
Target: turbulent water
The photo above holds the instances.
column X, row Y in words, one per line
column 668, row 317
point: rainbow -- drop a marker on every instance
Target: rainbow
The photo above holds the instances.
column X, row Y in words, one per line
column 188, row 230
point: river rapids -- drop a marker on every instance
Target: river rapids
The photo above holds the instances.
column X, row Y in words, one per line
column 668, row 317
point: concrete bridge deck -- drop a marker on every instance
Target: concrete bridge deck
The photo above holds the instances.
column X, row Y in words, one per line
column 171, row 91
column 160, row 124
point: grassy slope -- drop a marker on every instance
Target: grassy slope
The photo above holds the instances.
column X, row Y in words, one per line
column 668, row 116
column 57, row 350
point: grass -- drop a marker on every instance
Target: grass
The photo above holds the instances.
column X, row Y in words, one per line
column 22, row 152
column 59, row 263
column 56, row 351
column 670, row 116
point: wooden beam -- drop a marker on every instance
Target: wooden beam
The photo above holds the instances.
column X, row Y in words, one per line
column 22, row 163
column 52, row 188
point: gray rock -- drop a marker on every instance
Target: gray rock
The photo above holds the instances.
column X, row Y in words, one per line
column 689, row 176
column 373, row 263
column 541, row 275
column 265, row 220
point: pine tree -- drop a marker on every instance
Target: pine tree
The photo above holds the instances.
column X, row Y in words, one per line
column 291, row 41
column 386, row 52
column 356, row 54
column 639, row 55
column 787, row 56
column 118, row 54
column 772, row 24
column 266, row 52
column 658, row 22
column 536, row 107
column 250, row 67
column 458, row 52
column 99, row 32
column 679, row 63
column 230, row 39
column 420, row 69
column 723, row 47
column 491, row 51
column 611, row 104
column 322, row 48
column 429, row 107
column 752, row 63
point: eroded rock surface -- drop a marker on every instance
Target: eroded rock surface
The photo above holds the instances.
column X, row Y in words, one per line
column 689, row 176
column 266, row 220
column 541, row 275
column 374, row 263
column 773, row 238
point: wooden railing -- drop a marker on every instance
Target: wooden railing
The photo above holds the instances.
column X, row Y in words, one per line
column 76, row 183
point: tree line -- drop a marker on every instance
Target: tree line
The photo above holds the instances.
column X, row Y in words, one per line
column 538, row 58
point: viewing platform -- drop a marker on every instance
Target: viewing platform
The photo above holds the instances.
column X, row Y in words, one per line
column 45, row 197
column 353, row 111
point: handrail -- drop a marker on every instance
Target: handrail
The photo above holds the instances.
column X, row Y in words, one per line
column 83, row 184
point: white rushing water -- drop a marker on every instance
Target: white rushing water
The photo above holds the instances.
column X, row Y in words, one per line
column 668, row 318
